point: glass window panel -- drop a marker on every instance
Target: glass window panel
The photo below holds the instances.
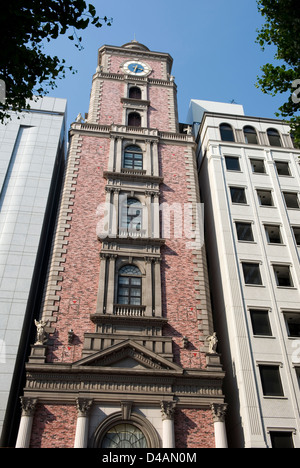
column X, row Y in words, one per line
column 238, row 195
column 244, row 232
column 123, row 292
column 123, row 280
column 130, row 270
column 282, row 168
column 293, row 324
column 252, row 273
column 282, row 440
column 258, row 166
column 136, row 281
column 124, row 436
column 273, row 234
column 271, row 381
column 291, row 199
column 226, row 133
column 250, row 135
column 232, row 163
column 274, row 137
column 260, row 322
column 135, row 292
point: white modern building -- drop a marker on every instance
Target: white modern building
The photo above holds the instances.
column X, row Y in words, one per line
column 32, row 159
column 249, row 179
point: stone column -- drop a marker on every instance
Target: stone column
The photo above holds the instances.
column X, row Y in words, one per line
column 81, row 435
column 24, row 434
column 168, row 409
column 219, row 412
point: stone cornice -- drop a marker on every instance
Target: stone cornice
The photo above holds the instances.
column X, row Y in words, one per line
column 123, row 131
column 63, row 383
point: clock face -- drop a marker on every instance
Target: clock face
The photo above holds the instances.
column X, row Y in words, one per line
column 136, row 68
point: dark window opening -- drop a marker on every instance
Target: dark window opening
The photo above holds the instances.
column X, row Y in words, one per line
column 283, row 276
column 135, row 93
column 250, row 135
column 283, row 168
column 226, row 132
column 271, row 381
column 252, row 273
column 134, row 119
column 244, row 231
column 274, row 137
column 238, row 195
column 282, row 440
column 232, row 163
column 292, row 321
column 258, row 166
column 273, row 234
column 260, row 322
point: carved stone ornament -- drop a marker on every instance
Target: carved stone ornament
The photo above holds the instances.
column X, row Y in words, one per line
column 168, row 409
column 213, row 343
column 41, row 335
column 83, row 406
column 28, row 406
column 126, row 407
column 219, row 412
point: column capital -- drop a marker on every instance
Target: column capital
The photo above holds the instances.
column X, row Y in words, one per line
column 219, row 412
column 83, row 406
column 168, row 409
column 28, row 406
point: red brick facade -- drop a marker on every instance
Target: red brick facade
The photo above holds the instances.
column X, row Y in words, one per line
column 80, row 260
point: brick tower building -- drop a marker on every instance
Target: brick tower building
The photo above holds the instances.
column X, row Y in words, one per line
column 122, row 356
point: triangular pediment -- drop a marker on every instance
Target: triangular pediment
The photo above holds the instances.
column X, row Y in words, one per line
column 128, row 355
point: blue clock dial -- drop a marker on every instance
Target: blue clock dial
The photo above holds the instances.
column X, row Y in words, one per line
column 136, row 68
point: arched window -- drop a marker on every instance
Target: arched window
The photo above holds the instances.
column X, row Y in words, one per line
column 226, row 132
column 134, row 119
column 133, row 158
column 135, row 92
column 131, row 214
column 274, row 137
column 124, row 436
column 130, row 286
column 250, row 135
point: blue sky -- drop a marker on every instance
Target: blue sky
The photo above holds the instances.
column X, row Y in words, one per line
column 212, row 43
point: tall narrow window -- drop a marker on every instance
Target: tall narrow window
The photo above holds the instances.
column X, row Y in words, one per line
column 134, row 119
column 226, row 132
column 274, row 137
column 250, row 135
column 130, row 286
column 133, row 158
column 131, row 214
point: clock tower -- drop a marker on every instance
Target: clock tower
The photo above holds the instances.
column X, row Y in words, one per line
column 125, row 354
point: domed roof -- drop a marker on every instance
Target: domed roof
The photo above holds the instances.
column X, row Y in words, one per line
column 135, row 45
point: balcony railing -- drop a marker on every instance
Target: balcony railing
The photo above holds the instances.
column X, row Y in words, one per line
column 128, row 310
